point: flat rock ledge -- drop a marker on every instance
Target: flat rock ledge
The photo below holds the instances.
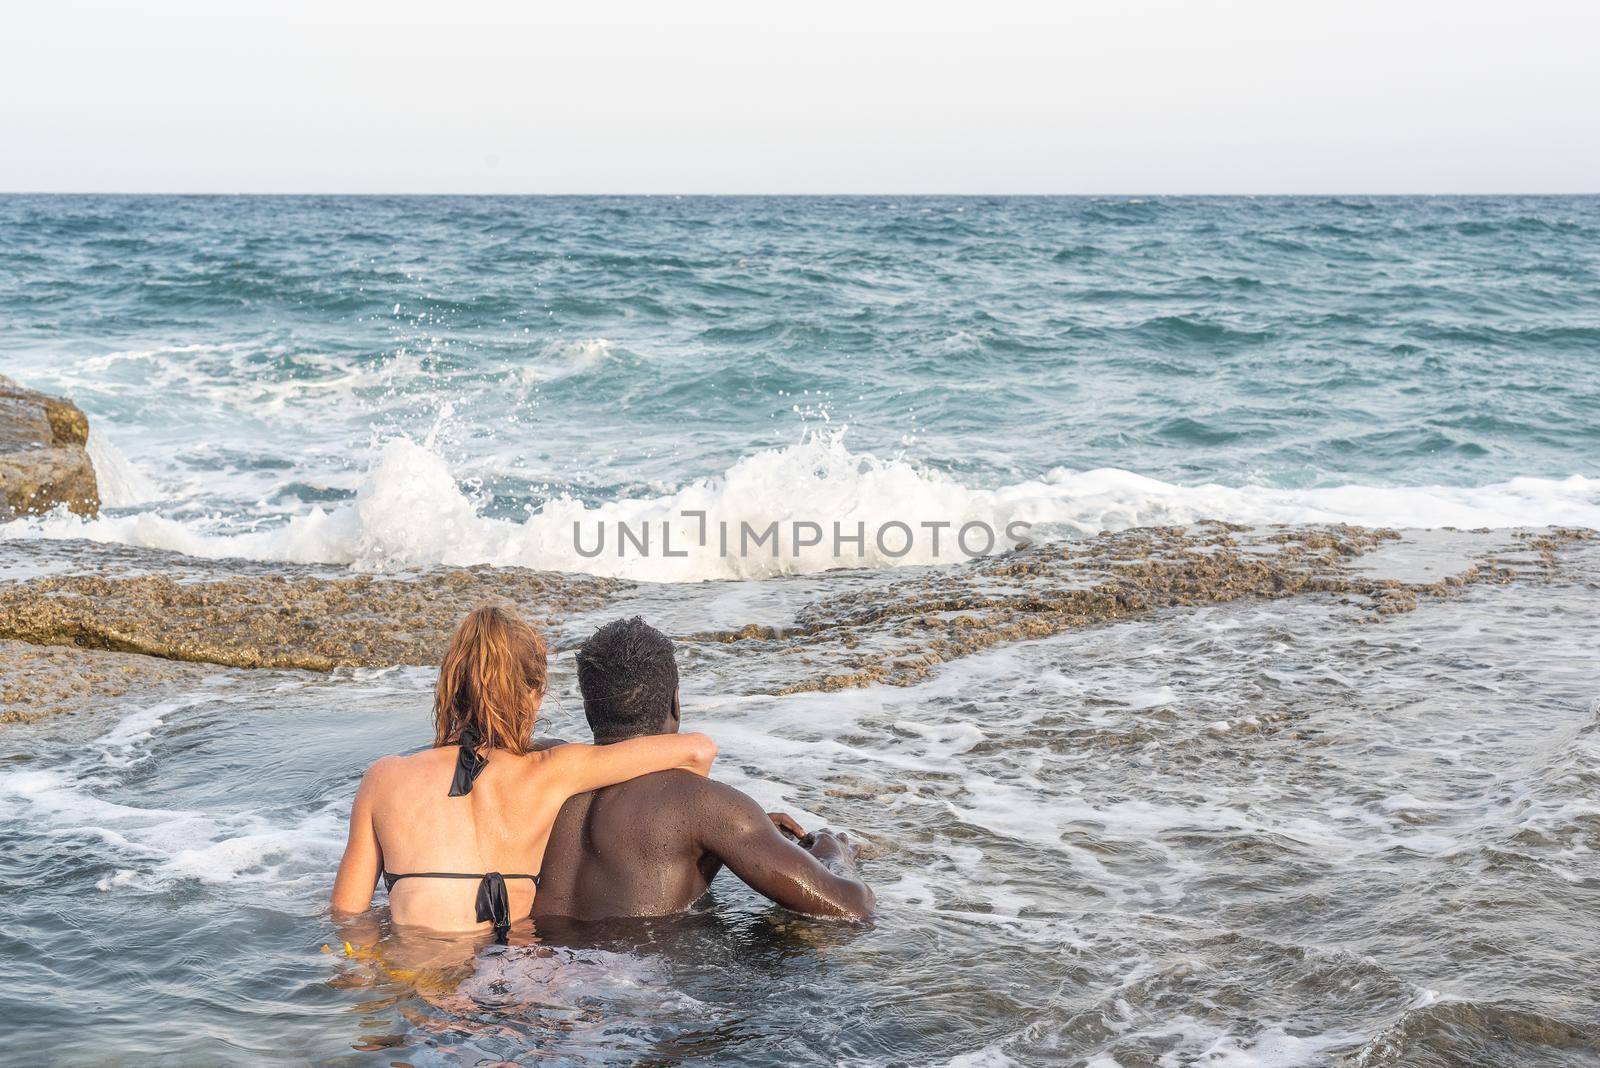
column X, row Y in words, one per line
column 44, row 459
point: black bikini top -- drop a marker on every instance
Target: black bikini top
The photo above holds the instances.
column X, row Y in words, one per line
column 492, row 904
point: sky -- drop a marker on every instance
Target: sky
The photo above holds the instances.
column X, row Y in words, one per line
column 984, row 96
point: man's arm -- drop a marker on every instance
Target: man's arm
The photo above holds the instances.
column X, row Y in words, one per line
column 735, row 830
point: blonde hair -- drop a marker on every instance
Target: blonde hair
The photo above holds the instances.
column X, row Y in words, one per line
column 490, row 682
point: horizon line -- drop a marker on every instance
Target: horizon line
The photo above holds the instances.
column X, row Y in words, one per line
column 757, row 196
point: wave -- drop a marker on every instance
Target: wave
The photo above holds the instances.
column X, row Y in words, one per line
column 783, row 511
column 121, row 484
column 151, row 848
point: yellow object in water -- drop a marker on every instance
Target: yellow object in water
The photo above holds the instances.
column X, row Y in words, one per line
column 424, row 981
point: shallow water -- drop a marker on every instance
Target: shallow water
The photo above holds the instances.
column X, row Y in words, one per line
column 1261, row 832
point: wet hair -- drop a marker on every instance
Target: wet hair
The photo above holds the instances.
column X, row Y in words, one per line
column 490, row 682
column 629, row 680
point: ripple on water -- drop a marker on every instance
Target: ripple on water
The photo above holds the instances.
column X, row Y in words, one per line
column 1268, row 829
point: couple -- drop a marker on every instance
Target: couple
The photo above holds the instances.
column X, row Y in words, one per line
column 490, row 825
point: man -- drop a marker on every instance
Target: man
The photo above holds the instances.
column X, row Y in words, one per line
column 652, row 845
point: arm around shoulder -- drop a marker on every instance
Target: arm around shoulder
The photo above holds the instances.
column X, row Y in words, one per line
column 581, row 768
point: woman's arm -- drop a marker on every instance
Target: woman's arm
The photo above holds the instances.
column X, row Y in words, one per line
column 363, row 859
column 578, row 769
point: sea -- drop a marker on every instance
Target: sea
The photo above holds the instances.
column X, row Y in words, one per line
column 892, row 471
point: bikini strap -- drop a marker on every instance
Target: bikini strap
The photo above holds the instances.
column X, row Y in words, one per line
column 492, row 904
column 390, row 878
column 469, row 762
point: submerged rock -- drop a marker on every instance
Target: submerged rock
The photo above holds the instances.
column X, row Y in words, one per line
column 900, row 632
column 37, row 681
column 839, row 630
column 44, row 460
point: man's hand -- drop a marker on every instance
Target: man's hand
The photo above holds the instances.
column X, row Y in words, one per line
column 835, row 849
column 758, row 847
column 787, row 824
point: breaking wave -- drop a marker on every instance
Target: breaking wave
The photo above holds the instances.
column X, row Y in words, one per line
column 410, row 512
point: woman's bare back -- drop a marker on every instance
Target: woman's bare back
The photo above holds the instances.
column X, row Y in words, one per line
column 499, row 826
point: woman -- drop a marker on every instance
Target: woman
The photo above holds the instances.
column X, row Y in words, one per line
column 458, row 831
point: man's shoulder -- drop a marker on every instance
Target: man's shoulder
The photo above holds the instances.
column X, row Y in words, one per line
column 689, row 795
column 675, row 781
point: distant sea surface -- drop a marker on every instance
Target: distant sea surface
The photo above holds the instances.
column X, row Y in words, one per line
column 1081, row 362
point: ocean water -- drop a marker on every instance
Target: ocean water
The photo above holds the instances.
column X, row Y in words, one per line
column 1086, row 364
column 1331, row 824
column 1249, row 834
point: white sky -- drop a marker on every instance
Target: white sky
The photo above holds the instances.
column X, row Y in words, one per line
column 986, row 96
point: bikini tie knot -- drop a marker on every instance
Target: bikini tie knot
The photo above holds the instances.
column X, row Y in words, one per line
column 469, row 763
column 493, row 907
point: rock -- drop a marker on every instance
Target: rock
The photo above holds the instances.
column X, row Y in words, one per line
column 40, row 681
column 44, row 461
column 260, row 615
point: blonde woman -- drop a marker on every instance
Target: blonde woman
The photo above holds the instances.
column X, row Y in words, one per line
column 458, row 831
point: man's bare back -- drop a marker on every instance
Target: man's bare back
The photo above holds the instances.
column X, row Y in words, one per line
column 651, row 846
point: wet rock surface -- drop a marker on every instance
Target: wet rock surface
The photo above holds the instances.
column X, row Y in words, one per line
column 259, row 616
column 40, row 680
column 898, row 634
column 836, row 631
column 44, row 460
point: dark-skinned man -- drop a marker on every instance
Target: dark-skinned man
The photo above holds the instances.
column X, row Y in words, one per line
column 651, row 846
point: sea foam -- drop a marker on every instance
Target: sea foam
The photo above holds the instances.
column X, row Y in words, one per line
column 121, row 484
column 410, row 512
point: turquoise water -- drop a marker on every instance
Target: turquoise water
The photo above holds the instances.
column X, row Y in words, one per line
column 247, row 355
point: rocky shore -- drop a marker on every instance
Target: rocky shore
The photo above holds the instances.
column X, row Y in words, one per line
column 240, row 614
column 79, row 620
column 898, row 633
column 44, row 458
column 83, row 623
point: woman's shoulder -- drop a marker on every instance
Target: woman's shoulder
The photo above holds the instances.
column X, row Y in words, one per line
column 404, row 765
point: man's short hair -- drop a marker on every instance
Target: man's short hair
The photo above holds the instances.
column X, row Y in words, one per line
column 629, row 678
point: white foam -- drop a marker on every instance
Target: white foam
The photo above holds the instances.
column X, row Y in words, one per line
column 64, row 803
column 1198, row 1043
column 1273, row 1047
column 251, row 845
column 121, row 745
column 410, row 512
column 121, row 484
column 158, row 845
column 990, row 1056
column 566, row 358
